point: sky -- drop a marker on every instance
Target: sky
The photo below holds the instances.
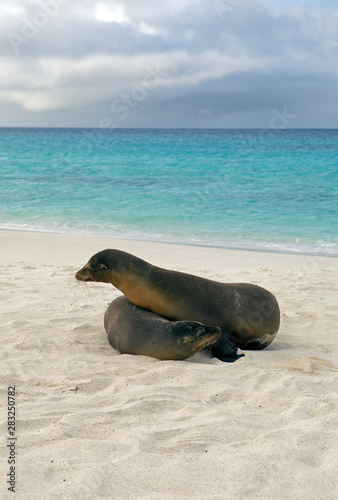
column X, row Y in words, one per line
column 169, row 64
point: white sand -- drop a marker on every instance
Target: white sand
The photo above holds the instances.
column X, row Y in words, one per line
column 92, row 423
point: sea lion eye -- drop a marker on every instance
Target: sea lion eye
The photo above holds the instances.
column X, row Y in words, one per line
column 103, row 266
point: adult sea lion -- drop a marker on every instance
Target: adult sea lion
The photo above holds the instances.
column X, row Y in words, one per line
column 132, row 330
column 247, row 314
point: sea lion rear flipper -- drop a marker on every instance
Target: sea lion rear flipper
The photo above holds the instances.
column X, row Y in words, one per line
column 225, row 350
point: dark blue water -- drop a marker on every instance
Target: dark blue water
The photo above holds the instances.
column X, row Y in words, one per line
column 261, row 189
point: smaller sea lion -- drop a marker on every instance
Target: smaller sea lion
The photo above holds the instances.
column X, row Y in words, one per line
column 133, row 330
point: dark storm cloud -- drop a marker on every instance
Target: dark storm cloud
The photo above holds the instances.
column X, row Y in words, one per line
column 178, row 63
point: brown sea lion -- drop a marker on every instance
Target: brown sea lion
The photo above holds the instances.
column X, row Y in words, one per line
column 247, row 314
column 133, row 330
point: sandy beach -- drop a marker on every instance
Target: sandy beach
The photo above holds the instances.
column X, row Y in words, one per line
column 92, row 423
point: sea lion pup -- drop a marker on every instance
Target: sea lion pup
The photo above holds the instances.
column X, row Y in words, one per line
column 247, row 314
column 132, row 330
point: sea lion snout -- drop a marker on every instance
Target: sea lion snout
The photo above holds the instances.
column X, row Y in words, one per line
column 84, row 274
column 198, row 335
column 92, row 271
column 207, row 331
column 200, row 332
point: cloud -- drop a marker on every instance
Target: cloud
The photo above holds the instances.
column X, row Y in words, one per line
column 111, row 13
column 213, row 60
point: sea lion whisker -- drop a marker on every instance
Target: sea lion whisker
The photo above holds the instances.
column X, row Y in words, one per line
column 208, row 344
column 85, row 287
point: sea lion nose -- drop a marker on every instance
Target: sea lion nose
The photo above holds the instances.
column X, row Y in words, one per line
column 79, row 274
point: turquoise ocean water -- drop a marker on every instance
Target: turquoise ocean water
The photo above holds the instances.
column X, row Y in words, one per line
column 259, row 189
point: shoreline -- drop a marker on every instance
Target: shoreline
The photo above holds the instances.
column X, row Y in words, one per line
column 90, row 237
column 74, row 250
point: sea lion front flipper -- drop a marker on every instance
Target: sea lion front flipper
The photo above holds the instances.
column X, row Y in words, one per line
column 225, row 350
column 230, row 358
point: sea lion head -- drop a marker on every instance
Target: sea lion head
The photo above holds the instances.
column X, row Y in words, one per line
column 108, row 266
column 192, row 336
column 96, row 269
